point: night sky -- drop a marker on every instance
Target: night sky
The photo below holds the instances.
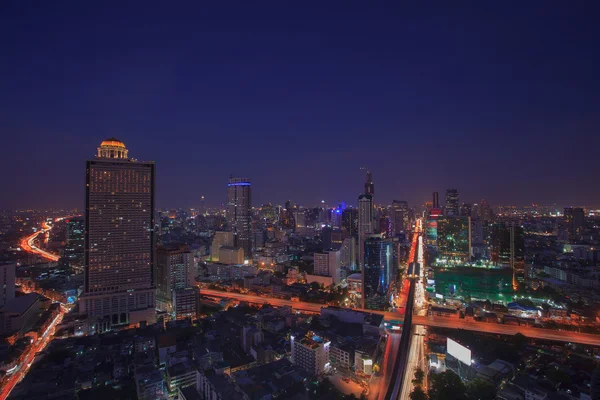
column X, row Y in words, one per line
column 499, row 101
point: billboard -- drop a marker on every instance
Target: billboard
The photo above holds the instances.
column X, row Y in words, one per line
column 458, row 351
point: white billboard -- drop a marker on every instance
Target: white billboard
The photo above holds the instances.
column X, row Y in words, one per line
column 458, row 351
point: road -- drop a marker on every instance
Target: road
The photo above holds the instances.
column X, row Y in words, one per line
column 433, row 321
column 29, row 355
column 501, row 329
column 379, row 384
column 399, row 377
column 28, row 245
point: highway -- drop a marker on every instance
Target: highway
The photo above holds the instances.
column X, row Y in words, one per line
column 433, row 321
column 398, row 384
column 502, row 329
column 28, row 245
column 29, row 355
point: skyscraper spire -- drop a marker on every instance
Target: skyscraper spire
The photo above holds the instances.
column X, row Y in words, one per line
column 369, row 185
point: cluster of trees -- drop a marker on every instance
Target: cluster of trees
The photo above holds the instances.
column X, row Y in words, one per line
column 448, row 386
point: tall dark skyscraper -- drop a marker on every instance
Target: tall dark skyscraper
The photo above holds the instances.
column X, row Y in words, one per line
column 239, row 216
column 400, row 218
column 365, row 223
column 452, row 205
column 119, row 284
column 377, row 271
column 369, row 185
column 575, row 220
column 436, row 200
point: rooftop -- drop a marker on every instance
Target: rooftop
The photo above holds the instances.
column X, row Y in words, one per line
column 20, row 304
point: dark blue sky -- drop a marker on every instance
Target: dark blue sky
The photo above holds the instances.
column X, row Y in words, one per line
column 501, row 100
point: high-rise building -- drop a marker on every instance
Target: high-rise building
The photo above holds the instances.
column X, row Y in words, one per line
column 174, row 271
column 454, row 238
column 348, row 254
column 220, row 239
column 508, row 245
column 239, row 216
column 400, row 218
column 465, row 210
column 311, row 353
column 369, row 185
column 574, row 220
column 7, row 283
column 452, row 205
column 119, row 283
column 365, row 223
column 350, row 222
column 436, row 200
column 328, row 263
column 75, row 234
column 431, row 233
column 377, row 271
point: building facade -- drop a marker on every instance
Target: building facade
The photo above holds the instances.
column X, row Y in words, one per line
column 377, row 272
column 239, row 217
column 452, row 207
column 119, row 283
column 174, row 271
column 365, row 223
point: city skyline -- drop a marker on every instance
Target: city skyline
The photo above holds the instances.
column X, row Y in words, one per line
column 306, row 105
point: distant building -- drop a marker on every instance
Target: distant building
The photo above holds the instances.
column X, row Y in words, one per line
column 574, row 220
column 350, row 222
column 311, row 353
column 465, row 210
column 231, row 255
column 400, row 218
column 75, row 245
column 369, row 185
column 239, row 216
column 377, row 272
column 436, row 200
column 328, row 263
column 454, row 238
column 365, row 223
column 119, row 284
column 7, row 283
column 348, row 254
column 452, row 205
column 508, row 245
column 220, row 239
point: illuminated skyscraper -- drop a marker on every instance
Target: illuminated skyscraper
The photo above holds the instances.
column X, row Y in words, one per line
column 174, row 272
column 119, row 286
column 239, row 217
column 365, row 223
column 377, row 271
column 452, row 206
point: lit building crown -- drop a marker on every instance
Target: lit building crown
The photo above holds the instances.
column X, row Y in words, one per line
column 112, row 148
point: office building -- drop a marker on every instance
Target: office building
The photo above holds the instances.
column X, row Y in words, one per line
column 377, row 272
column 328, row 263
column 574, row 220
column 239, row 217
column 20, row 314
column 348, row 254
column 454, row 238
column 174, row 271
column 186, row 303
column 221, row 238
column 465, row 210
column 365, row 223
column 231, row 255
column 369, row 185
column 7, row 283
column 508, row 245
column 451, row 208
column 119, row 283
column 431, row 231
column 75, row 238
column 400, row 218
column 350, row 222
column 311, row 353
column 436, row 200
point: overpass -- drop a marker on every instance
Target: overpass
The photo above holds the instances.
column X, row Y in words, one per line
column 432, row 321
